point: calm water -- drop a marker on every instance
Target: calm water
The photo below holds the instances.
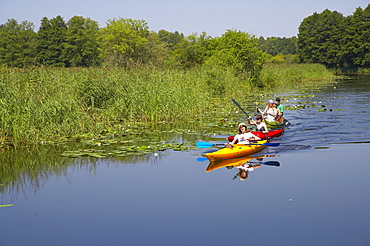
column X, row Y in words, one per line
column 319, row 195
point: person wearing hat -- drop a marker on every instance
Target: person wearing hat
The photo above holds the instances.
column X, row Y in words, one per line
column 271, row 111
column 269, row 105
column 244, row 137
column 260, row 125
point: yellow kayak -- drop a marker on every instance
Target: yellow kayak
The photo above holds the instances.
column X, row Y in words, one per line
column 236, row 150
column 213, row 165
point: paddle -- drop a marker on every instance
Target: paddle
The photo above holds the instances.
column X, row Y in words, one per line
column 268, row 163
column 286, row 123
column 207, row 145
column 271, row 163
column 237, row 104
column 202, row 159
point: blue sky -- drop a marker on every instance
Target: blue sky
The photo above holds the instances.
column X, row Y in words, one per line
column 265, row 18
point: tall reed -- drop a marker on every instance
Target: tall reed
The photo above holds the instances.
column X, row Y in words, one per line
column 287, row 76
column 44, row 103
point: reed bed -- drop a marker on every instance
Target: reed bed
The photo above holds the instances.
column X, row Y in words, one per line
column 291, row 76
column 50, row 103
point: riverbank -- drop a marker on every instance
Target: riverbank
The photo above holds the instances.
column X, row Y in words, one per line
column 38, row 104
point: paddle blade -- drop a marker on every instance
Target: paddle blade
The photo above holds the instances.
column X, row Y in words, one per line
column 271, row 163
column 208, row 145
column 202, row 159
column 236, row 103
column 286, row 123
column 267, row 144
column 271, row 144
column 203, row 145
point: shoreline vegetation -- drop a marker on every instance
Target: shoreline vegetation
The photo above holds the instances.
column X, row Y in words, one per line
column 41, row 104
column 73, row 79
column 55, row 118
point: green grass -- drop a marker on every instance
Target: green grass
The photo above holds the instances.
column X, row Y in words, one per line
column 289, row 76
column 52, row 103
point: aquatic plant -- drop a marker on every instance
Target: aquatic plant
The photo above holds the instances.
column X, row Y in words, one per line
column 43, row 104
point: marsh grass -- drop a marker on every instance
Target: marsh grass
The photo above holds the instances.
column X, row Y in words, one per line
column 52, row 103
column 291, row 76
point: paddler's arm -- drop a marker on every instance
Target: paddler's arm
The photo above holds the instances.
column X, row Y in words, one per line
column 254, row 138
column 279, row 113
column 233, row 142
column 259, row 110
column 266, row 129
column 251, row 122
column 229, row 145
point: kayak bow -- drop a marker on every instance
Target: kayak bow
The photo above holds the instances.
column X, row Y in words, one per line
column 236, row 150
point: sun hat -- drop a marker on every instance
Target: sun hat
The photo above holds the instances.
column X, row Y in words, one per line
column 258, row 117
column 242, row 124
column 270, row 101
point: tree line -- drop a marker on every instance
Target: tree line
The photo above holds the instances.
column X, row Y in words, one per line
column 334, row 40
column 328, row 38
column 79, row 42
column 280, row 50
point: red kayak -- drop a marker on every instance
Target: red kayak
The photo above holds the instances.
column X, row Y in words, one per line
column 271, row 134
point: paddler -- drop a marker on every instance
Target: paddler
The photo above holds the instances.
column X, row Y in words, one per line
column 260, row 125
column 244, row 137
column 279, row 106
column 281, row 109
column 271, row 111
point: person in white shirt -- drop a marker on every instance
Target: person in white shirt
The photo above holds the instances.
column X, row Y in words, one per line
column 244, row 137
column 271, row 111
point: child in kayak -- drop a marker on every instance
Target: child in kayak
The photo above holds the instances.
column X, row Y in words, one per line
column 244, row 137
column 260, row 125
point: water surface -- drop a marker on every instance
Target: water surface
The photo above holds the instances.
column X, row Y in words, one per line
column 319, row 195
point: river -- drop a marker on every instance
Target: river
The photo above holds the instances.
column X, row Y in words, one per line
column 319, row 194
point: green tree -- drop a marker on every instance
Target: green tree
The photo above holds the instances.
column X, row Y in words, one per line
column 238, row 50
column 124, row 41
column 276, row 45
column 51, row 41
column 156, row 51
column 81, row 45
column 357, row 39
column 320, row 38
column 170, row 38
column 17, row 43
column 192, row 50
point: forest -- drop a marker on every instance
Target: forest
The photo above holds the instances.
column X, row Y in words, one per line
column 327, row 38
column 336, row 41
column 127, row 43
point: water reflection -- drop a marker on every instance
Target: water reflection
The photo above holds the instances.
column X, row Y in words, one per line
column 245, row 165
column 30, row 167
